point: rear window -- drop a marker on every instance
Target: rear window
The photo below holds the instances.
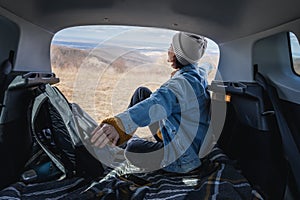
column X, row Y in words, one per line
column 295, row 52
column 100, row 66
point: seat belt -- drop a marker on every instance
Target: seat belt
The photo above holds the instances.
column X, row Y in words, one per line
column 289, row 145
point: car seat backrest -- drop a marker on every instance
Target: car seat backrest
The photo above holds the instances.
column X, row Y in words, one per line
column 5, row 70
column 289, row 144
column 15, row 138
column 6, row 67
column 250, row 135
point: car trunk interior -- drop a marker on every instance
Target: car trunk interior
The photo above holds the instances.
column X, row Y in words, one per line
column 250, row 135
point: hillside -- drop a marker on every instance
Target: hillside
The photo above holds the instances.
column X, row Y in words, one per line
column 114, row 57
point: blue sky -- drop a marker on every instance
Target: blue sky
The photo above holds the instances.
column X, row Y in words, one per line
column 295, row 45
column 126, row 36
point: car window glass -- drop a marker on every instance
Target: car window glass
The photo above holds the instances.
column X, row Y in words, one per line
column 295, row 51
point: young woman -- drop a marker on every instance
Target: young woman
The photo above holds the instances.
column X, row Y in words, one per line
column 180, row 107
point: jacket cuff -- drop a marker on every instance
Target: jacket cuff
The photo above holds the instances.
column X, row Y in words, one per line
column 115, row 122
column 128, row 124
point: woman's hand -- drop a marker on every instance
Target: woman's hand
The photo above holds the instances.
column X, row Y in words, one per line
column 104, row 134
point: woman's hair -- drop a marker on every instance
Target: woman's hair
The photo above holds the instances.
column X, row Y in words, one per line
column 178, row 64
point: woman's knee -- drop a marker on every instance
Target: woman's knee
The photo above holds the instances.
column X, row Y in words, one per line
column 143, row 92
column 139, row 95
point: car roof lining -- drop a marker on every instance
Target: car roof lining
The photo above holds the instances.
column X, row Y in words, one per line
column 222, row 20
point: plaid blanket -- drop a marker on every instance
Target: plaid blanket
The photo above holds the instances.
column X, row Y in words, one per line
column 217, row 178
column 47, row 190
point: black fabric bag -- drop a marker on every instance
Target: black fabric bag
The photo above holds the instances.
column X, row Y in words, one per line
column 57, row 133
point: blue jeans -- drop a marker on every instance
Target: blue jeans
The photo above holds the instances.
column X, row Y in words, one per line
column 138, row 145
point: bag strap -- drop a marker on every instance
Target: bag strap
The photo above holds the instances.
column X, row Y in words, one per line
column 289, row 145
column 63, row 108
column 39, row 100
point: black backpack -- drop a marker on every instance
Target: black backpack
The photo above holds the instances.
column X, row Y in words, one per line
column 58, row 150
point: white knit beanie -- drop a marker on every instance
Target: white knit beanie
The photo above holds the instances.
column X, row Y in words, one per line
column 188, row 48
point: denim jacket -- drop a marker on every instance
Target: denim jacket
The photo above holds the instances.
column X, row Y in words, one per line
column 181, row 105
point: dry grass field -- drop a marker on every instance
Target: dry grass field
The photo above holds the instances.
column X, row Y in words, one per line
column 103, row 87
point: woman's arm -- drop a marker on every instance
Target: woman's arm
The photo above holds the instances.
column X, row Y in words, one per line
column 117, row 130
